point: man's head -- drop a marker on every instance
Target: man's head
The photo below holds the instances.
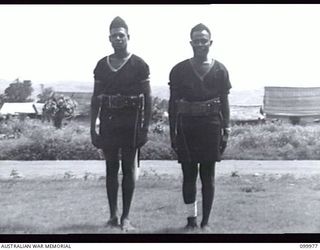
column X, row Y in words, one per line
column 119, row 35
column 200, row 40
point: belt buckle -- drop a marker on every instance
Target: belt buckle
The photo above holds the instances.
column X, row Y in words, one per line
column 216, row 100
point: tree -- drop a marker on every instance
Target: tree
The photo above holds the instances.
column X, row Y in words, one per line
column 46, row 94
column 2, row 99
column 19, row 91
column 159, row 110
column 58, row 109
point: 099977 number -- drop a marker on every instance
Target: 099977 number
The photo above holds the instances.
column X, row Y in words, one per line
column 308, row 245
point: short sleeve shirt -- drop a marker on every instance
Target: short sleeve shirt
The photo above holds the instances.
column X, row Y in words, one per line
column 186, row 83
column 117, row 127
column 129, row 80
column 198, row 138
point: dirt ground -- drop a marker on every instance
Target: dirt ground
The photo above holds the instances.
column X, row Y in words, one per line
column 63, row 197
column 78, row 169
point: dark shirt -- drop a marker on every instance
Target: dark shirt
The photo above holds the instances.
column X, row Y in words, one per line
column 118, row 126
column 185, row 83
column 129, row 80
column 198, row 138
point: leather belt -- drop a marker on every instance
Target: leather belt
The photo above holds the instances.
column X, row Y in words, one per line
column 121, row 101
column 210, row 107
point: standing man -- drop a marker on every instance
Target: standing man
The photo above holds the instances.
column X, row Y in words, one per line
column 199, row 121
column 121, row 97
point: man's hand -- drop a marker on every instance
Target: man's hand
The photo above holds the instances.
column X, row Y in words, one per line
column 223, row 143
column 142, row 138
column 96, row 139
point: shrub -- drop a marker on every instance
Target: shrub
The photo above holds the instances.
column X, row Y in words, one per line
column 274, row 142
column 159, row 146
column 41, row 141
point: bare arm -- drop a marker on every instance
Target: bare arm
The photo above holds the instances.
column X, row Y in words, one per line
column 172, row 107
column 147, row 106
column 94, row 111
column 225, row 110
column 172, row 115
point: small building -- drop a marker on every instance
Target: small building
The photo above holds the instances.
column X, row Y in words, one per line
column 292, row 104
column 31, row 109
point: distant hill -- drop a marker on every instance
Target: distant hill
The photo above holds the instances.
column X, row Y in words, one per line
column 160, row 91
column 70, row 86
column 236, row 97
column 246, row 97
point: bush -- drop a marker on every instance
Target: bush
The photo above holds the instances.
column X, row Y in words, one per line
column 159, row 146
column 41, row 141
column 274, row 142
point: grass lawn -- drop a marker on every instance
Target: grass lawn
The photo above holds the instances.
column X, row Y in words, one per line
column 266, row 203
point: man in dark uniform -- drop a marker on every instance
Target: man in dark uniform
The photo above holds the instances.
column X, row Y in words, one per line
column 121, row 98
column 199, row 121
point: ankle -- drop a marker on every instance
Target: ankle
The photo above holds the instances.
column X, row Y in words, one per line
column 113, row 216
column 192, row 221
column 124, row 218
column 203, row 224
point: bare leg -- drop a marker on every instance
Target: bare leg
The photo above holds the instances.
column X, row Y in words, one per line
column 189, row 185
column 112, row 183
column 207, row 172
column 128, row 181
column 189, row 191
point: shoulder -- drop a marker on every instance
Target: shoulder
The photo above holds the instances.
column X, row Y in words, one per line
column 180, row 66
column 220, row 66
column 100, row 63
column 140, row 67
column 102, row 60
column 137, row 60
column 223, row 74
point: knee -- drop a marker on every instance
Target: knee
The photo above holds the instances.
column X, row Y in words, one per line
column 128, row 169
column 207, row 174
column 189, row 183
column 112, row 169
column 190, row 178
column 208, row 181
column 190, row 173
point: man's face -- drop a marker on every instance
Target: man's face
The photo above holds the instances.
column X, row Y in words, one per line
column 119, row 38
column 200, row 42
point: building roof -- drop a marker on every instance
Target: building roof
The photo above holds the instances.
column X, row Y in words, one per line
column 292, row 101
column 14, row 108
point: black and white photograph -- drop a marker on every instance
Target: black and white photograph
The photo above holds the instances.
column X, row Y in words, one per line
column 137, row 120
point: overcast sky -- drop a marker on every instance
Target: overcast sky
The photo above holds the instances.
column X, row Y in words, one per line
column 261, row 45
